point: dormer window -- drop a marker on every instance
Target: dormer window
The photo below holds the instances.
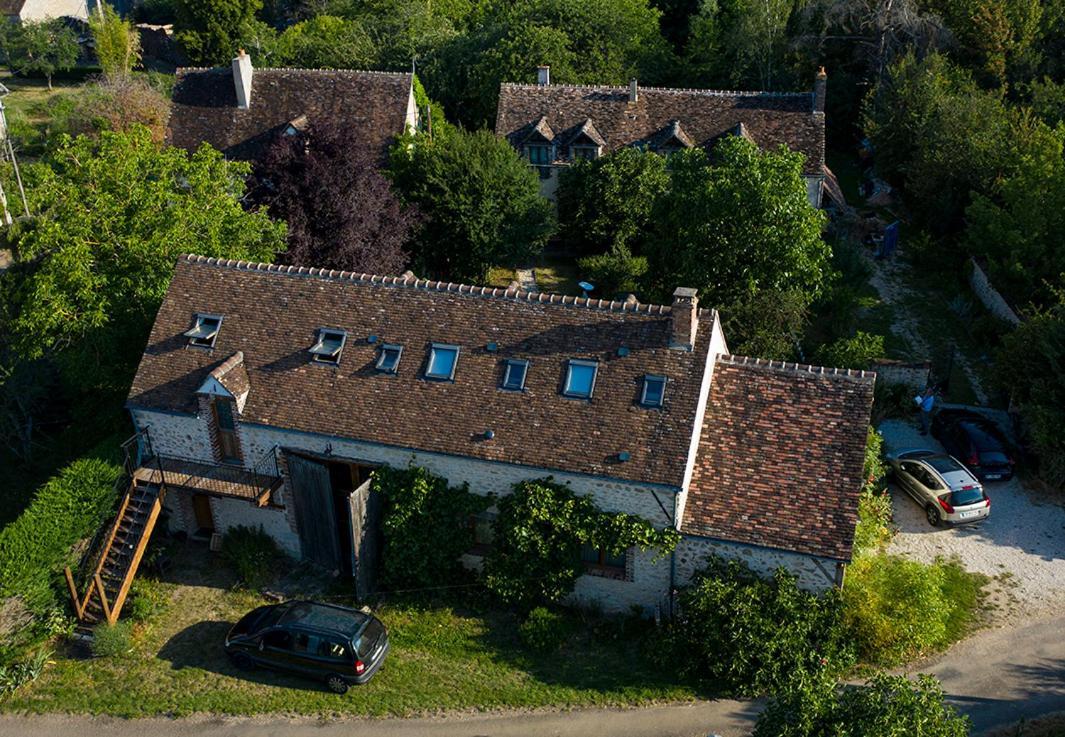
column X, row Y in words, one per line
column 654, row 391
column 584, row 152
column 580, row 379
column 539, row 153
column 514, row 371
column 329, row 346
column 204, row 331
column 443, row 359
column 388, row 358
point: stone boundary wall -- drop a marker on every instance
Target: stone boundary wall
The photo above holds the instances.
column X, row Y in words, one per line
column 989, row 296
column 914, row 375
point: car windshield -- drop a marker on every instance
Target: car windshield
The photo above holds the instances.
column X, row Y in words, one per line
column 964, row 497
column 982, row 439
column 943, row 464
column 368, row 639
column 993, row 458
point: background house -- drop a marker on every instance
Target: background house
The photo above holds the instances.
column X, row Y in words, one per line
column 553, row 125
column 20, row 10
column 239, row 110
column 297, row 382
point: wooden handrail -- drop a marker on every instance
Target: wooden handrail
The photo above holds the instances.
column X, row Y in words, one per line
column 131, row 570
column 78, row 609
column 103, row 599
column 106, row 547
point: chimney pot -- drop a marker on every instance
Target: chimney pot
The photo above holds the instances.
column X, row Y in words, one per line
column 634, row 90
column 685, row 314
column 242, row 71
column 543, row 75
column 820, row 89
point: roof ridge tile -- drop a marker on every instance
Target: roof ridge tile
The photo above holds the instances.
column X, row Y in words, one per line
column 796, row 368
column 682, row 90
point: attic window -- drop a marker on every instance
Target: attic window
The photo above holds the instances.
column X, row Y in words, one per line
column 388, row 359
column 442, row 361
column 514, row 371
column 580, row 379
column 329, row 346
column 539, row 153
column 205, row 331
column 654, row 391
column 584, row 152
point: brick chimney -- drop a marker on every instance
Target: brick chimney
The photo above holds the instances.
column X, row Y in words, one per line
column 242, row 71
column 820, row 88
column 634, row 90
column 685, row 315
column 543, row 75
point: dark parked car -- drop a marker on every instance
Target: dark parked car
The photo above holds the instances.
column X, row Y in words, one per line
column 976, row 441
column 338, row 645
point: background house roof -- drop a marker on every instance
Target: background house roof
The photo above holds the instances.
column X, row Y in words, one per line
column 769, row 118
column 371, row 105
column 780, row 457
column 272, row 314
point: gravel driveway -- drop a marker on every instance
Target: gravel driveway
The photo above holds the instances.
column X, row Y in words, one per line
column 1023, row 537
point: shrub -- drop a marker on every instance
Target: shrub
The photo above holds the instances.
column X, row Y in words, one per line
column 426, row 526
column 749, row 635
column 112, row 640
column 543, row 630
column 874, row 504
column 35, row 547
column 886, row 706
column 897, row 609
column 857, row 352
column 147, row 598
column 16, row 675
column 252, row 553
column 540, row 531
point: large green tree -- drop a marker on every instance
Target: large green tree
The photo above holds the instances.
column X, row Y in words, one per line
column 326, row 41
column 480, row 201
column 111, row 216
column 117, row 43
column 734, row 223
column 210, row 30
column 40, row 47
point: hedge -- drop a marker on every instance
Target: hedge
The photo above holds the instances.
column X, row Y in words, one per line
column 36, row 547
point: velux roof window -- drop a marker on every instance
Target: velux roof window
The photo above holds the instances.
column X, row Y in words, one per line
column 329, row 346
column 388, row 358
column 580, row 379
column 654, row 391
column 442, row 361
column 514, row 371
column 204, row 331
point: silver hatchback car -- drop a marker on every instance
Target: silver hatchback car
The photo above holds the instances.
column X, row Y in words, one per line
column 947, row 490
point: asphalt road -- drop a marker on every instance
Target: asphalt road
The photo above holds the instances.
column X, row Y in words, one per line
column 996, row 677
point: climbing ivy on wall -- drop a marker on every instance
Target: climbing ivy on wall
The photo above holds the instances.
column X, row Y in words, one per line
column 541, row 527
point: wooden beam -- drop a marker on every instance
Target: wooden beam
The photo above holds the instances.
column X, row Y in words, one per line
column 78, row 610
column 103, row 599
column 142, row 543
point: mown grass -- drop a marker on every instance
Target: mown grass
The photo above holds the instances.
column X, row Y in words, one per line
column 460, row 654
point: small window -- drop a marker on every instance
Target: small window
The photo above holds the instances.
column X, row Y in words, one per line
column 514, row 372
column 332, row 649
column 584, row 152
column 278, row 640
column 442, row 361
column 329, row 346
column 599, row 562
column 654, row 391
column 539, row 154
column 388, row 359
column 204, row 331
column 483, row 527
column 580, row 379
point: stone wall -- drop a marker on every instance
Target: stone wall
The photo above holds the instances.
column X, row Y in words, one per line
column 989, row 297
column 814, row 574
column 917, row 375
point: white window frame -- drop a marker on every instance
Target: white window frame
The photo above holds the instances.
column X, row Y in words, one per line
column 385, row 349
column 647, row 380
column 509, row 364
column 318, row 352
column 569, row 393
column 196, row 335
column 433, row 348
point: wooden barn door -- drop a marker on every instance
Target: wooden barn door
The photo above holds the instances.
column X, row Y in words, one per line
column 364, row 507
column 313, row 497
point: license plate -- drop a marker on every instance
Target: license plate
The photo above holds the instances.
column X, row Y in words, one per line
column 993, row 476
column 969, row 515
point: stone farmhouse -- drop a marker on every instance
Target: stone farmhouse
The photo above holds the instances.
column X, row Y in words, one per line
column 268, row 394
column 553, row 125
column 36, row 10
column 241, row 110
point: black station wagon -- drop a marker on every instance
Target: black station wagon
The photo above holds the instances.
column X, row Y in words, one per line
column 335, row 644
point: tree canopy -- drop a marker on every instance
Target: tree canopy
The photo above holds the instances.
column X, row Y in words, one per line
column 117, row 43
column 40, row 48
column 111, row 216
column 209, row 30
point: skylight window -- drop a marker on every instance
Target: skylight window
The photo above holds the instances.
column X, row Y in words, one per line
column 205, row 330
column 514, row 372
column 442, row 361
column 580, row 379
column 654, row 391
column 329, row 346
column 388, row 358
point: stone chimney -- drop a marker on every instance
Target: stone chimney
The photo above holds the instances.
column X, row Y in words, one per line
column 543, row 75
column 820, row 88
column 634, row 90
column 685, row 315
column 242, row 72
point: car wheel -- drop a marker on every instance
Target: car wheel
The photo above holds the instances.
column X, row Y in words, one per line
column 337, row 684
column 932, row 515
column 242, row 661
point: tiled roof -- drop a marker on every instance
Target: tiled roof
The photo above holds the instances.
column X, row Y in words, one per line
column 780, row 456
column 768, row 118
column 371, row 105
column 232, row 375
column 271, row 314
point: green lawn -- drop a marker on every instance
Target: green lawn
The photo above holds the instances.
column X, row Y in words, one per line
column 456, row 655
column 31, row 108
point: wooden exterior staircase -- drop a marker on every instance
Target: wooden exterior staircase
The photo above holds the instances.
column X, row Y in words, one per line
column 114, row 560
